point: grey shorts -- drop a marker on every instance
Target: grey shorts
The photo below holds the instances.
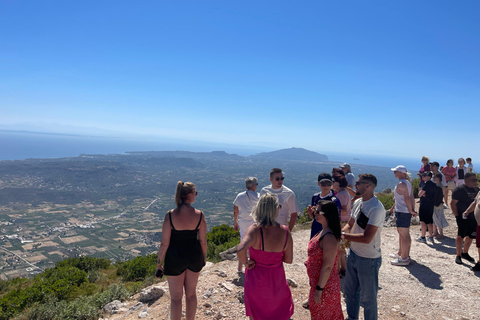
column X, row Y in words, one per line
column 403, row 219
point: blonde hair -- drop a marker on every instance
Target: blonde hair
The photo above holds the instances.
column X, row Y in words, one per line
column 425, row 158
column 461, row 159
column 265, row 212
column 407, row 176
column 182, row 191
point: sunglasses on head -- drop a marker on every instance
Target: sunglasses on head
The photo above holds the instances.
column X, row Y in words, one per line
column 278, row 179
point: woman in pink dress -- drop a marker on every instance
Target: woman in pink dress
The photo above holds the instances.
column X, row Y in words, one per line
column 267, row 295
column 321, row 265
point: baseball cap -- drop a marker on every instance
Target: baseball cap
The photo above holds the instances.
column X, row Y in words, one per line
column 427, row 173
column 435, row 163
column 400, row 168
column 345, row 165
column 324, row 176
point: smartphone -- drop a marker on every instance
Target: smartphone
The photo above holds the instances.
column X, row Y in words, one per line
column 159, row 273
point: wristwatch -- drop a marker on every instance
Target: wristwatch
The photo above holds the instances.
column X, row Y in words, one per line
column 318, row 288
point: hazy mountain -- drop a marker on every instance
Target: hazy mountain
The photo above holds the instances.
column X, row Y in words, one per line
column 292, row 154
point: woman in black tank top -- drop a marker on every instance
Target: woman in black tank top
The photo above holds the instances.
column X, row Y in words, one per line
column 184, row 247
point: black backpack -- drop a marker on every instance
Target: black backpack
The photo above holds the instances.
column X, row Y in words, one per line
column 437, row 196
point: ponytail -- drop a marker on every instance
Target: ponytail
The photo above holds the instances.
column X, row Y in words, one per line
column 407, row 177
column 182, row 191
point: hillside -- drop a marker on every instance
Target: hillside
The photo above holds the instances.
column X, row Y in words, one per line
column 298, row 154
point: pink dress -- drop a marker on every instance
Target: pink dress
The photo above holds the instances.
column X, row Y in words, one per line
column 330, row 307
column 267, row 295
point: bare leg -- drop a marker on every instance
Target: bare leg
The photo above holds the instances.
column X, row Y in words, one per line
column 424, row 228
column 191, row 280
column 445, row 195
column 466, row 246
column 399, row 243
column 175, row 285
column 405, row 242
column 430, row 230
column 458, row 245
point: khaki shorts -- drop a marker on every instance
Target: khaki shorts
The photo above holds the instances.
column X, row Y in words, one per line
column 344, row 244
column 451, row 185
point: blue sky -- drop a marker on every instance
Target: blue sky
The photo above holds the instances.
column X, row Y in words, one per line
column 379, row 77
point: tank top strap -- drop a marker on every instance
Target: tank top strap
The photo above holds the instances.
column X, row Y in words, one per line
column 170, row 218
column 261, row 239
column 200, row 220
column 286, row 239
column 323, row 235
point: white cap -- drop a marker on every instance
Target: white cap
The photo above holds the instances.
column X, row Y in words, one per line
column 400, row 168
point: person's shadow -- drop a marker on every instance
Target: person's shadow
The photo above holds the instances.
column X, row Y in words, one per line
column 425, row 275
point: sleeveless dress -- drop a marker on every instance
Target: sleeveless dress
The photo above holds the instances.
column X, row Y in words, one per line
column 267, row 295
column 184, row 251
column 330, row 307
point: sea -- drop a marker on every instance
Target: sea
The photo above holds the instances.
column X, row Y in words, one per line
column 19, row 145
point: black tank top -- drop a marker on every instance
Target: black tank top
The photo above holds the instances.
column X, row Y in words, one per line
column 184, row 251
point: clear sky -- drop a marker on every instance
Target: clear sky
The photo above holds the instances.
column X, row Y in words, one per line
column 381, row 77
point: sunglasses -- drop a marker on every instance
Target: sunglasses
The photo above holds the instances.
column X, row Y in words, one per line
column 278, row 179
column 319, row 212
column 360, row 182
column 326, row 183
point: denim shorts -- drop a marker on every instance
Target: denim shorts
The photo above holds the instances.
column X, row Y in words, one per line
column 403, row 219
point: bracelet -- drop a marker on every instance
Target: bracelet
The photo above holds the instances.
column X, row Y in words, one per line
column 318, row 288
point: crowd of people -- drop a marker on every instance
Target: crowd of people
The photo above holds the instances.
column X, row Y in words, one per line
column 346, row 217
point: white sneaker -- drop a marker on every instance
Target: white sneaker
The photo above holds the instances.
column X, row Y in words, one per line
column 394, row 255
column 401, row 262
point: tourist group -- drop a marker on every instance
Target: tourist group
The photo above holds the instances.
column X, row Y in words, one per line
column 347, row 219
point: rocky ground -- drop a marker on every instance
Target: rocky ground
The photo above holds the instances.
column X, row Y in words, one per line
column 432, row 287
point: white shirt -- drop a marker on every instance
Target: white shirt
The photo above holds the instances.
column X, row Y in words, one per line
column 286, row 198
column 245, row 201
column 375, row 211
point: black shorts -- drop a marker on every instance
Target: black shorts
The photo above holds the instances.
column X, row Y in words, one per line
column 466, row 227
column 403, row 219
column 426, row 214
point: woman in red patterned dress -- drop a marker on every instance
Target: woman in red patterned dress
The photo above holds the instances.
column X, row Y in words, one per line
column 321, row 265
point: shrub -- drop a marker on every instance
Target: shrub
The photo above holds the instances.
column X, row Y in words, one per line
column 386, row 199
column 219, row 239
column 304, row 218
column 138, row 269
column 415, row 183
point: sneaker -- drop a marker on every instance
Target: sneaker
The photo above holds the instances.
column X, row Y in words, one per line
column 394, row 255
column 306, row 304
column 466, row 256
column 401, row 262
column 476, row 267
column 421, row 239
column 431, row 240
column 458, row 260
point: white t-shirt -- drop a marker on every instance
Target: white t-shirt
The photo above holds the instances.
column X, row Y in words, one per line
column 469, row 167
column 375, row 213
column 286, row 198
column 245, row 201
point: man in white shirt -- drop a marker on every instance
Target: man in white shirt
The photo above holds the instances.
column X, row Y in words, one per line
column 363, row 230
column 286, row 198
column 243, row 207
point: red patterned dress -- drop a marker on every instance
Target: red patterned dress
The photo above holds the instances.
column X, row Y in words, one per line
column 330, row 308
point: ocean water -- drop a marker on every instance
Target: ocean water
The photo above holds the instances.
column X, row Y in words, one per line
column 24, row 145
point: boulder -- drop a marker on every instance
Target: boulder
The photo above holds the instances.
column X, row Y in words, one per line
column 151, row 294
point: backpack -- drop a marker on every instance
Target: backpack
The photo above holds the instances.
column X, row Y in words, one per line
column 437, row 196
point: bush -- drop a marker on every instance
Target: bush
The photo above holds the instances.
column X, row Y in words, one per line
column 386, row 199
column 304, row 218
column 415, row 183
column 219, row 239
column 138, row 269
